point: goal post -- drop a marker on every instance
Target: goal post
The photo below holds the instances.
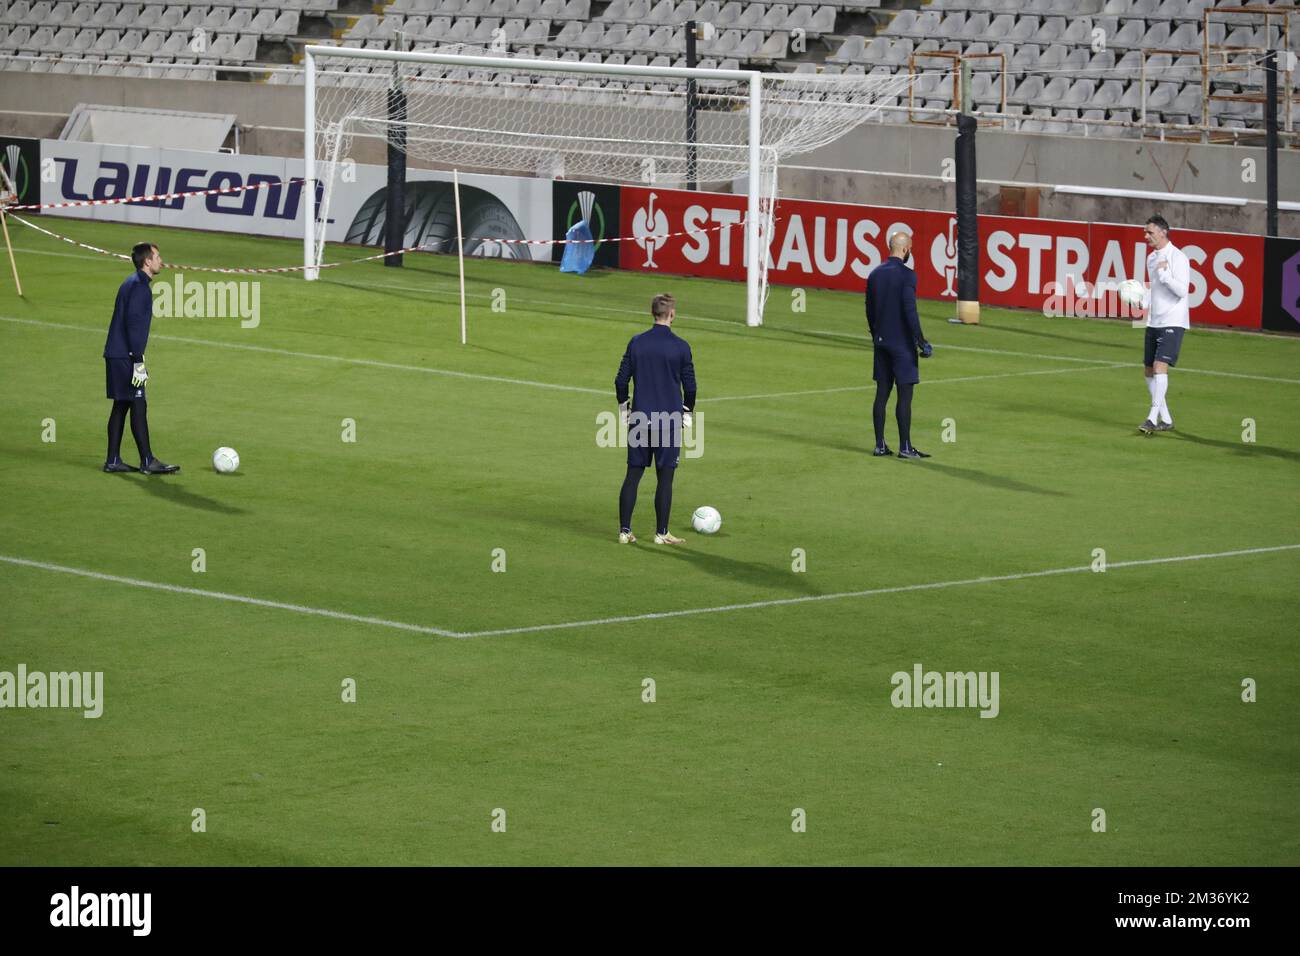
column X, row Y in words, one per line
column 557, row 118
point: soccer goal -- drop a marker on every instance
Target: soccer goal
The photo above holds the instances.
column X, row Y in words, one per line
column 661, row 126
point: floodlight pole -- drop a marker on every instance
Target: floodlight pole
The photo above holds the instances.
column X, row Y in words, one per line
column 1270, row 140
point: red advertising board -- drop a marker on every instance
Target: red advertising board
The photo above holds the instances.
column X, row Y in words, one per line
column 1023, row 262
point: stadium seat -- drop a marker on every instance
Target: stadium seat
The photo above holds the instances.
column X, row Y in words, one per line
column 103, row 16
column 128, row 16
column 975, row 27
column 852, row 49
column 775, row 17
column 106, row 43
column 15, row 13
column 1026, row 59
column 1129, row 35
column 39, row 41
column 903, row 22
column 1027, row 90
column 728, row 15
column 751, row 18
column 661, row 13
column 1021, row 31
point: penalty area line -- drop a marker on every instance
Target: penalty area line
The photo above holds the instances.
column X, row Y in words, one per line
column 223, row 596
column 627, row 618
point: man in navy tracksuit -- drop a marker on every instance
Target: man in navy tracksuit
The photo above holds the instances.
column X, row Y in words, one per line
column 660, row 365
column 124, row 372
column 896, row 336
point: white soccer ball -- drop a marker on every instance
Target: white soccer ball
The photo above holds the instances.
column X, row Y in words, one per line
column 225, row 460
column 706, row 520
column 1131, row 292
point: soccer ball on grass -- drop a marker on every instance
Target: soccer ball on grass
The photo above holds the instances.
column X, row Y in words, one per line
column 225, row 460
column 706, row 520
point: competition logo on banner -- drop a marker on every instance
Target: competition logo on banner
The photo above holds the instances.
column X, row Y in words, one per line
column 1026, row 262
column 598, row 204
column 21, row 159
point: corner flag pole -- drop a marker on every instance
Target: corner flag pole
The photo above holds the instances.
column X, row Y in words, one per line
column 460, row 251
column 9, row 193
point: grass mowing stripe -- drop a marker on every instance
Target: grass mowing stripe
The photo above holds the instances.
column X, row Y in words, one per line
column 370, row 363
column 394, row 366
column 628, row 618
column 1067, row 358
column 932, row 381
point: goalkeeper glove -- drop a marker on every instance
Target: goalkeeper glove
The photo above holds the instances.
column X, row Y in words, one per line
column 688, row 419
column 926, row 349
column 623, row 409
column 139, row 375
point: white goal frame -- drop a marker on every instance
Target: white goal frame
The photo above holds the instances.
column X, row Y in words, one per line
column 754, row 246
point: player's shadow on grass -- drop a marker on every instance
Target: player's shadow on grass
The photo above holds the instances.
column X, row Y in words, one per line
column 1125, row 346
column 169, row 490
column 1244, row 449
column 815, row 440
column 1001, row 482
column 765, row 576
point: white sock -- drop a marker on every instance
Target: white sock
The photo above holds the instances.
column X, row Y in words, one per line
column 1151, row 387
column 1160, row 384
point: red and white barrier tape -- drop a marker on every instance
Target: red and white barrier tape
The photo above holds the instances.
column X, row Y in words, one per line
column 8, row 210
column 177, row 265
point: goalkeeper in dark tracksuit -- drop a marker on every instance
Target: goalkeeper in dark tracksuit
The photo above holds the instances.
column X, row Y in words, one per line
column 124, row 372
column 659, row 363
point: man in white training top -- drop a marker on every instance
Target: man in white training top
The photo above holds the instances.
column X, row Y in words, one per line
column 1168, row 318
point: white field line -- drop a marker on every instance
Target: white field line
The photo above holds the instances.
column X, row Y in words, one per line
column 371, row 363
column 628, row 618
column 453, row 292
column 368, row 363
column 222, row 596
column 927, row 382
column 394, row 366
column 1066, row 358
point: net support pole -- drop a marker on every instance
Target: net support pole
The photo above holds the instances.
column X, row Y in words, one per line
column 460, row 250
column 309, row 271
column 753, row 227
column 1270, row 140
column 968, row 235
column 395, row 211
column 692, row 162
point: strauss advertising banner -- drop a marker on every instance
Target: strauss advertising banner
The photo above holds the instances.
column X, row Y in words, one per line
column 1025, row 262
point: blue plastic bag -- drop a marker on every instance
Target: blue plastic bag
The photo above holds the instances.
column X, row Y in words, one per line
column 578, row 256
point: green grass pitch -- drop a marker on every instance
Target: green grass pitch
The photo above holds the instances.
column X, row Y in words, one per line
column 1119, row 690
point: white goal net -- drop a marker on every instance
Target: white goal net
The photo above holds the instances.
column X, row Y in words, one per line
column 561, row 119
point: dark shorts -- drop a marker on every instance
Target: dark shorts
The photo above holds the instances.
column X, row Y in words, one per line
column 1162, row 346
column 117, row 380
column 654, row 440
column 895, row 365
